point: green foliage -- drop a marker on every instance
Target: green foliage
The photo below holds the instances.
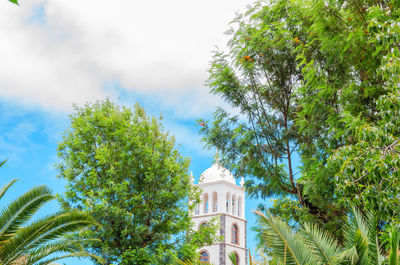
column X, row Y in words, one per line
column 14, row 2
column 44, row 240
column 232, row 258
column 260, row 77
column 125, row 171
column 349, row 102
column 320, row 79
column 394, row 239
column 312, row 245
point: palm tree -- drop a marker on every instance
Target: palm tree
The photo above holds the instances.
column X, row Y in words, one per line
column 42, row 241
column 311, row 245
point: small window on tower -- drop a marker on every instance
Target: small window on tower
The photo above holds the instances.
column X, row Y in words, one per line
column 204, row 257
column 235, row 234
column 203, row 225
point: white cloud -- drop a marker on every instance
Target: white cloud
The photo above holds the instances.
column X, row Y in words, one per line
column 75, row 47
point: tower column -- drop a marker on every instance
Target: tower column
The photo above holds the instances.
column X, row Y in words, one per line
column 201, row 205
column 229, row 201
column 221, row 202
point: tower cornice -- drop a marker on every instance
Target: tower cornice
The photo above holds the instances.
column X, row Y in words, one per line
column 221, row 182
column 218, row 214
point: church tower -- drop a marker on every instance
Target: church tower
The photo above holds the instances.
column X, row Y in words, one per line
column 222, row 198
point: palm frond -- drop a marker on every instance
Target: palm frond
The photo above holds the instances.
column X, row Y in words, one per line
column 361, row 233
column 284, row 243
column 6, row 187
column 3, row 162
column 232, row 258
column 356, row 235
column 77, row 254
column 44, row 237
column 350, row 256
column 374, row 250
column 55, row 247
column 324, row 245
column 21, row 210
column 394, row 237
column 43, row 231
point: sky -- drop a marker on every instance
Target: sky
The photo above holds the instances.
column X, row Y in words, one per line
column 57, row 53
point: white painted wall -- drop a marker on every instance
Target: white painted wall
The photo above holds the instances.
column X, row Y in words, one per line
column 240, row 252
column 214, row 249
column 229, row 221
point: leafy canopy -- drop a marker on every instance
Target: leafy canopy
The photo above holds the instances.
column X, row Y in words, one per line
column 122, row 168
column 315, row 81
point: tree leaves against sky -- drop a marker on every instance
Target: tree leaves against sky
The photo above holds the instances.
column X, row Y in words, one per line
column 318, row 79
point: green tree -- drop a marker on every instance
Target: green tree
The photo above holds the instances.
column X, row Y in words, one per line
column 260, row 77
column 14, row 1
column 44, row 240
column 349, row 102
column 124, row 169
column 320, row 79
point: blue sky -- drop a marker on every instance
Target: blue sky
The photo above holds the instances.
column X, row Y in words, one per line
column 29, row 141
column 60, row 53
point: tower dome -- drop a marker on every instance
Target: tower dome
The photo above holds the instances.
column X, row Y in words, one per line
column 216, row 173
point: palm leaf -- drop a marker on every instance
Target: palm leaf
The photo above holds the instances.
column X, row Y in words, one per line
column 284, row 243
column 356, row 235
column 2, row 162
column 42, row 238
column 349, row 256
column 59, row 246
column 394, row 238
column 21, row 210
column 6, row 187
column 361, row 233
column 43, row 231
column 232, row 258
column 375, row 252
column 324, row 246
column 77, row 254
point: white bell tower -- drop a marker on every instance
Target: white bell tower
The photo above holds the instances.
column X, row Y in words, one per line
column 222, row 198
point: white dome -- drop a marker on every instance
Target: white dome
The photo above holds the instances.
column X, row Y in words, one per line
column 216, row 173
